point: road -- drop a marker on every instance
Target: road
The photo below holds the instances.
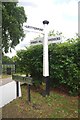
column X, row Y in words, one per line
column 5, row 81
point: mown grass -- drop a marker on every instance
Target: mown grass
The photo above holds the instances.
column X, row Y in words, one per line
column 5, row 76
column 56, row 105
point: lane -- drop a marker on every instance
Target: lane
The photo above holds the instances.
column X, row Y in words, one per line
column 5, row 81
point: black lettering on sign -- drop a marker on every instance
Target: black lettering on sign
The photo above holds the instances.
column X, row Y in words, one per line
column 35, row 28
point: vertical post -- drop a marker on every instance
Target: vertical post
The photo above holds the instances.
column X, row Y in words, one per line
column 29, row 97
column 0, row 41
column 1, row 53
column 45, row 57
column 17, row 86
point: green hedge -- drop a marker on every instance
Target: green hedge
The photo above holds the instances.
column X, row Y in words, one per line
column 64, row 66
column 64, row 61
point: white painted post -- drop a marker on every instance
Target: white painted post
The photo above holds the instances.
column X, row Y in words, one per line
column 45, row 52
column 45, row 56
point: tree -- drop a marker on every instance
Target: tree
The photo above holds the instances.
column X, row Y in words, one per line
column 13, row 17
column 54, row 33
column 6, row 59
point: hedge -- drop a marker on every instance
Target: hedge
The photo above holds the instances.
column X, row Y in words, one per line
column 64, row 64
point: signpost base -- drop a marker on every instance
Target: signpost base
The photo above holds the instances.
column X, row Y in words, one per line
column 47, row 89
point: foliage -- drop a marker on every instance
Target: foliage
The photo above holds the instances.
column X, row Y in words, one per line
column 54, row 33
column 20, row 62
column 13, row 18
column 30, row 61
column 64, row 66
column 6, row 59
column 7, row 63
column 64, row 59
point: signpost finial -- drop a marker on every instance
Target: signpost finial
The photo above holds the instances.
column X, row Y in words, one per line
column 46, row 22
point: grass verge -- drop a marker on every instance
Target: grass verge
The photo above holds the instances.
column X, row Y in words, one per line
column 56, row 105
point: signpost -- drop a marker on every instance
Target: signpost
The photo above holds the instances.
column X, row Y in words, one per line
column 28, row 80
column 45, row 53
column 22, row 78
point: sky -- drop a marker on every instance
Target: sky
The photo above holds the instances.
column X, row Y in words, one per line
column 61, row 14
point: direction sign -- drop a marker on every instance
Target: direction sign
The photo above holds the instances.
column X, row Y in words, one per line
column 22, row 78
column 35, row 28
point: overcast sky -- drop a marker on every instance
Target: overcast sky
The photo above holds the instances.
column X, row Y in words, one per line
column 62, row 16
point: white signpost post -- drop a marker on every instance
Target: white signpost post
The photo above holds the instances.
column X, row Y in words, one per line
column 45, row 57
